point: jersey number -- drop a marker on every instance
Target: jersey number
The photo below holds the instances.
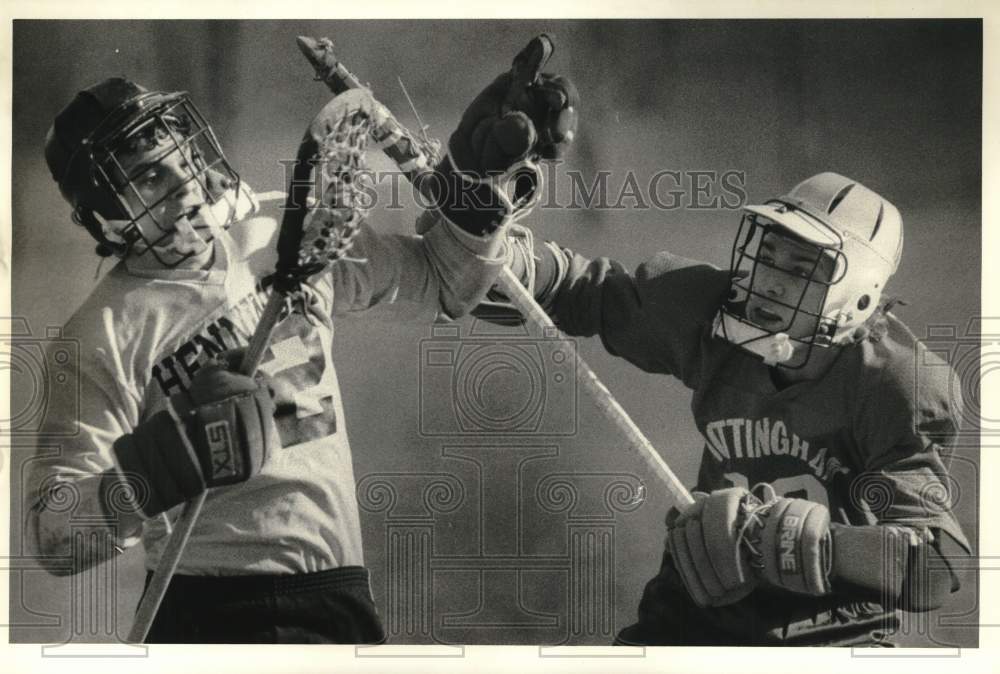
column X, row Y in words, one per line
column 798, row 486
column 303, row 389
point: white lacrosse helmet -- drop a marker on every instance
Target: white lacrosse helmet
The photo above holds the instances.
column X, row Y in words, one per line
column 858, row 229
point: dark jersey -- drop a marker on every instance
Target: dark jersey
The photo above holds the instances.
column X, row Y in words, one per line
column 866, row 439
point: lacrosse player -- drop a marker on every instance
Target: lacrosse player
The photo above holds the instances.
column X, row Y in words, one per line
column 825, row 422
column 276, row 553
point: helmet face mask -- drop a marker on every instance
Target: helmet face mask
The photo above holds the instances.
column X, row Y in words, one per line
column 808, row 269
column 779, row 287
column 144, row 172
column 166, row 172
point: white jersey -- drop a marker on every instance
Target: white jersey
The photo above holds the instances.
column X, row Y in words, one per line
column 144, row 335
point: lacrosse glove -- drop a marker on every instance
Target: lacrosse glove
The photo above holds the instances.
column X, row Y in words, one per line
column 489, row 174
column 219, row 432
column 729, row 542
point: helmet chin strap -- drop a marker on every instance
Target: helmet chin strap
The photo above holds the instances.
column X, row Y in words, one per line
column 112, row 229
column 774, row 347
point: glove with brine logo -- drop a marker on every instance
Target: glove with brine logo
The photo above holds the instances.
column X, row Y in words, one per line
column 729, row 542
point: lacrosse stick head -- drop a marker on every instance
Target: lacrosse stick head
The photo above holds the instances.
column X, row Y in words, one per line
column 316, row 232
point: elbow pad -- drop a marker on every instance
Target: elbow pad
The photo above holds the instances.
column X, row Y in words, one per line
column 901, row 567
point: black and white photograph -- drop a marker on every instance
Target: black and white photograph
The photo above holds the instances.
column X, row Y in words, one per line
column 622, row 334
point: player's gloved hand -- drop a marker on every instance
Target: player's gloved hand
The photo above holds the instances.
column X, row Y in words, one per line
column 219, row 432
column 728, row 542
column 524, row 115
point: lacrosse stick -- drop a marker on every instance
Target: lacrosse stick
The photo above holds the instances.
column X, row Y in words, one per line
column 415, row 157
column 336, row 142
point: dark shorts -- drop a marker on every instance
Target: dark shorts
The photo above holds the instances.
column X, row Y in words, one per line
column 328, row 607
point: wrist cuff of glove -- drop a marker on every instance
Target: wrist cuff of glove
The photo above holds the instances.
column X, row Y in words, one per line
column 480, row 205
column 150, row 464
column 874, row 558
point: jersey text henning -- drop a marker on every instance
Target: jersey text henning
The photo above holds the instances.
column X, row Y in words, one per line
column 174, row 372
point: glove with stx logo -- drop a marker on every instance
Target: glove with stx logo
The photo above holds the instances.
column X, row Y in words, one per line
column 728, row 542
column 489, row 173
column 219, row 432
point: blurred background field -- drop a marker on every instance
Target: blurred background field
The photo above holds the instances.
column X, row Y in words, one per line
column 894, row 104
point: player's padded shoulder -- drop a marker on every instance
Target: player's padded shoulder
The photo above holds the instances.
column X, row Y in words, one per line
column 689, row 290
column 908, row 395
column 255, row 237
column 653, row 318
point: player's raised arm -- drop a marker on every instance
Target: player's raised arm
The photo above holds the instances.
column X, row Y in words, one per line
column 487, row 178
column 652, row 316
